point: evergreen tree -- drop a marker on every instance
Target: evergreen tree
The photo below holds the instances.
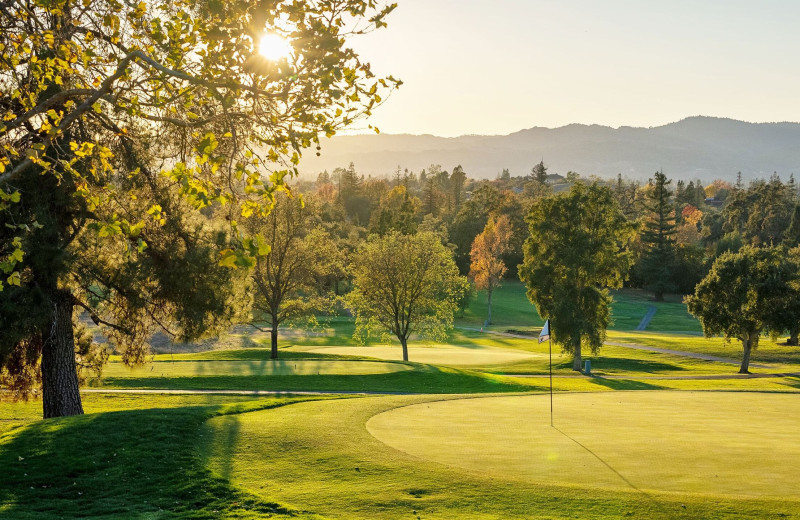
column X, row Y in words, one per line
column 430, row 200
column 658, row 236
column 539, row 173
column 457, row 180
column 792, row 236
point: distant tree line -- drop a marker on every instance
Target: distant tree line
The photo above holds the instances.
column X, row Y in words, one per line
column 665, row 237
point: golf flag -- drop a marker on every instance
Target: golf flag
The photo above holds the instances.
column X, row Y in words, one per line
column 545, row 334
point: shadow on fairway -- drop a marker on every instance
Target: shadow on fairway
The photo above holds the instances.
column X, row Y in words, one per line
column 230, row 431
column 424, row 379
column 634, row 365
column 624, row 384
column 794, row 382
column 131, row 464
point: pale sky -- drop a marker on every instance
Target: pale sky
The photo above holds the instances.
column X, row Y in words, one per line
column 498, row 66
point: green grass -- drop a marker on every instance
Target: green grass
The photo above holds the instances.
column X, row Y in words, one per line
column 124, row 464
column 155, row 456
column 768, row 351
column 265, row 368
column 511, row 308
column 320, row 457
column 601, row 440
column 413, row 378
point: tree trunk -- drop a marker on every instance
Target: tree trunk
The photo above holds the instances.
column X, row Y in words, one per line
column 793, row 339
column 748, row 348
column 489, row 306
column 60, row 392
column 576, row 359
column 404, row 343
column 658, row 296
column 274, row 336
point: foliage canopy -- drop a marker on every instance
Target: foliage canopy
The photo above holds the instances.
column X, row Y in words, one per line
column 133, row 138
column 405, row 284
column 575, row 252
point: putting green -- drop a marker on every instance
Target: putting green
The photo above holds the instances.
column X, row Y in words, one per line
column 253, row 368
column 685, row 442
column 449, row 355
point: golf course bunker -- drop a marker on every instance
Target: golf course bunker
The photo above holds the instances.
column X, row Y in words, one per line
column 265, row 367
column 449, row 355
column 720, row 443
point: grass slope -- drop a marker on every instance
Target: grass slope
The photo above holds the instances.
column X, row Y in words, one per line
column 124, row 464
column 319, row 456
column 511, row 308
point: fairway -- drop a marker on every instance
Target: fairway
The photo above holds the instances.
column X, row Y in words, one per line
column 449, row 355
column 687, row 442
column 266, row 367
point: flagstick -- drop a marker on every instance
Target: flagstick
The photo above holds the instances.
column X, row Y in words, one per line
column 550, row 342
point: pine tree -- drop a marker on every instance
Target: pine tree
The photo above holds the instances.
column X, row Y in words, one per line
column 539, row 172
column 430, row 199
column 659, row 238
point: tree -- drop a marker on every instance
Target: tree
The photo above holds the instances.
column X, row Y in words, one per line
column 791, row 237
column 134, row 137
column 746, row 294
column 457, row 180
column 486, row 267
column 659, row 238
column 539, row 173
column 405, row 284
column 470, row 220
column 285, row 281
column 761, row 214
column 575, row 252
column 396, row 211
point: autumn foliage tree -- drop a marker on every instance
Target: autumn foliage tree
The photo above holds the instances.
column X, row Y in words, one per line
column 133, row 139
column 486, row 266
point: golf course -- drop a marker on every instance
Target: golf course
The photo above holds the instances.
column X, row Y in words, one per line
column 663, row 427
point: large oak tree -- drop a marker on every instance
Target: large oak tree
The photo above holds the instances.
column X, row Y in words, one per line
column 576, row 251
column 134, row 136
column 746, row 294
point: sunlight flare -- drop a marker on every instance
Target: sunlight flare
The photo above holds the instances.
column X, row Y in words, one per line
column 273, row 47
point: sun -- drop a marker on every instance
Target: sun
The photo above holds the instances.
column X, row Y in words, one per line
column 273, row 47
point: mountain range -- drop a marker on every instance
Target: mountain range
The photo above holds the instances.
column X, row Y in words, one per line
column 699, row 147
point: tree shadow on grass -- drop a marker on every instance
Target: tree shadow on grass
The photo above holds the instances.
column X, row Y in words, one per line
column 794, row 382
column 635, row 365
column 624, row 384
column 119, row 464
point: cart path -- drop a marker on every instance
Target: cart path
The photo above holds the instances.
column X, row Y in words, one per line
column 651, row 311
column 693, row 355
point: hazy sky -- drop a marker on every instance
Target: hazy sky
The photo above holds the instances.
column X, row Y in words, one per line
column 498, row 66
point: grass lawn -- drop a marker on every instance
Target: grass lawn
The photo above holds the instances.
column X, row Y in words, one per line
column 322, row 375
column 768, row 351
column 124, row 463
column 490, row 459
column 625, row 447
column 511, row 308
